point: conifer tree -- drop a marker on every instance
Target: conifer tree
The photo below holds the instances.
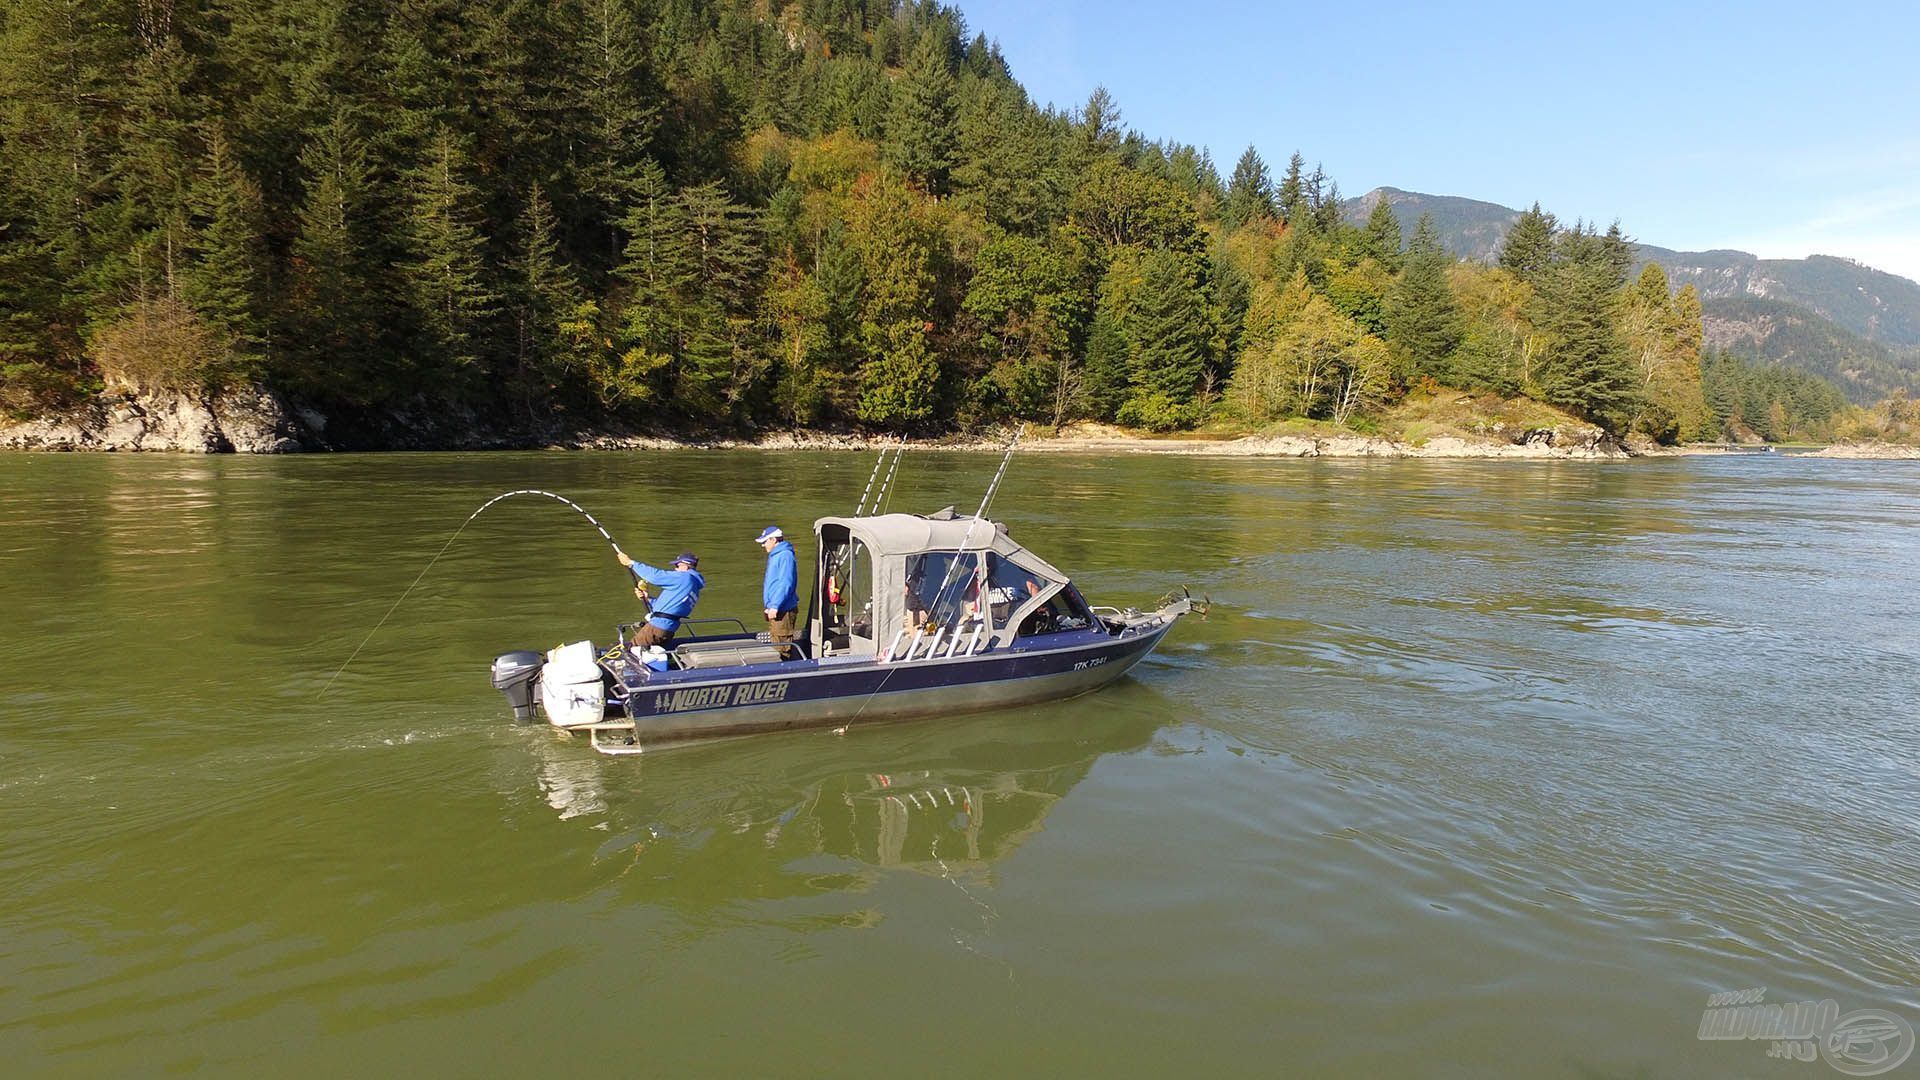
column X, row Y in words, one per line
column 1106, row 368
column 1422, row 317
column 1005, row 164
column 921, row 130
column 719, row 361
column 336, row 286
column 29, row 316
column 1326, row 209
column 1528, row 249
column 445, row 272
column 1587, row 367
column 658, row 270
column 1249, row 192
column 1380, row 240
column 224, row 283
column 1168, row 331
column 620, row 99
column 549, row 297
column 1100, row 131
column 1293, row 191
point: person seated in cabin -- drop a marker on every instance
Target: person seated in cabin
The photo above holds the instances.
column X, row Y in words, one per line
column 934, row 585
column 1064, row 610
column 679, row 591
column 1008, row 588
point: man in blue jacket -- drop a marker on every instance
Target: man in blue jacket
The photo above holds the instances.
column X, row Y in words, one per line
column 780, row 598
column 679, row 591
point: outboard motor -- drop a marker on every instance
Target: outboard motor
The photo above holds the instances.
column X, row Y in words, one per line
column 513, row 675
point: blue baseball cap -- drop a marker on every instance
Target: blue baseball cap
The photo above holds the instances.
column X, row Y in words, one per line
column 768, row 533
column 689, row 558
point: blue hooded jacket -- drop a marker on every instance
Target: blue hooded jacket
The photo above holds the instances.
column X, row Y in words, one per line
column 679, row 591
column 782, row 592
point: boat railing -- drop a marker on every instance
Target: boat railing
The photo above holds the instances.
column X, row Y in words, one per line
column 692, row 633
column 940, row 636
column 691, row 627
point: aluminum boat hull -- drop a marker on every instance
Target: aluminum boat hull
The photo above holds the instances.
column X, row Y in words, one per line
column 675, row 708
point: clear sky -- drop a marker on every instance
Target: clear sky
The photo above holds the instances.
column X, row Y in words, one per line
column 1776, row 128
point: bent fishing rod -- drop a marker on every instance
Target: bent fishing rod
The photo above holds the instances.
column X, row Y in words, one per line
column 581, row 510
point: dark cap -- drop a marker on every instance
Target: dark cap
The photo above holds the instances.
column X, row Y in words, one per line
column 689, row 558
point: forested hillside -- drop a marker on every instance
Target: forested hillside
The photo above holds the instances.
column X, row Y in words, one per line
column 1773, row 330
column 726, row 214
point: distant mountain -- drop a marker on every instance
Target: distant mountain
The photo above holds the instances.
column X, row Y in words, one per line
column 1847, row 322
column 1469, row 228
column 1753, row 326
column 1872, row 304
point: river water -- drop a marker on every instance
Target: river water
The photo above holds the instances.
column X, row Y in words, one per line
column 1476, row 766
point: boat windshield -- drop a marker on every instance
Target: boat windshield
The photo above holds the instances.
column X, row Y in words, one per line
column 943, row 588
column 1063, row 611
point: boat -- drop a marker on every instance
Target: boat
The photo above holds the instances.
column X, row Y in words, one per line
column 911, row 616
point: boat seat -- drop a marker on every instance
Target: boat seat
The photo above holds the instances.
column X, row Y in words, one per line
column 713, row 654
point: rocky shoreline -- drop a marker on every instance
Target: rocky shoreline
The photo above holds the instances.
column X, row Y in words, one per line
column 256, row 421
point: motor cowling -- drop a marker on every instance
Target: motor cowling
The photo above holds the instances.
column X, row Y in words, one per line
column 514, row 675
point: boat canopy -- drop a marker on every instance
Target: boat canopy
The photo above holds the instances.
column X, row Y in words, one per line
column 888, row 577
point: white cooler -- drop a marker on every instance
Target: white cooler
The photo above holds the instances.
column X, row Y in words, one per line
column 570, row 688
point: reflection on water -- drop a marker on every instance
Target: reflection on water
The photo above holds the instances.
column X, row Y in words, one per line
column 948, row 799
column 1500, row 765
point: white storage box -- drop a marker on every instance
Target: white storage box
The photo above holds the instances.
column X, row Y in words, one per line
column 570, row 688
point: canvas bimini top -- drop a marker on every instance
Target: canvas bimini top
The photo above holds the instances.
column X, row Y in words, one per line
column 886, row 577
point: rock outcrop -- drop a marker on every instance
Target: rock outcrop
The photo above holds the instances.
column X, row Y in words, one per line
column 247, row 421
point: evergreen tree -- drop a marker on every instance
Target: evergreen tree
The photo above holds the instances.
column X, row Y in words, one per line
column 549, row 299
column 720, row 363
column 1528, row 249
column 1326, row 208
column 921, row 131
column 1249, row 192
column 336, row 288
column 1422, row 318
column 1106, row 368
column 620, row 99
column 1293, row 191
column 1168, row 331
column 1380, row 240
column 1006, row 165
column 1100, row 133
column 1587, row 367
column 445, row 272
column 224, row 283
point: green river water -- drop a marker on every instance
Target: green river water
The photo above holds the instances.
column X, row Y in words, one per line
column 1476, row 767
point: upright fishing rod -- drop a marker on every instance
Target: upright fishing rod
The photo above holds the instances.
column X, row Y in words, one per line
column 900, row 451
column 846, row 554
column 861, row 507
column 940, row 598
column 581, row 510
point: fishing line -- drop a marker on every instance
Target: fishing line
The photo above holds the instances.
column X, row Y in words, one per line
column 443, row 550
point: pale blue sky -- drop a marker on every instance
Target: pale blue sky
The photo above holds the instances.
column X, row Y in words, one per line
column 1780, row 129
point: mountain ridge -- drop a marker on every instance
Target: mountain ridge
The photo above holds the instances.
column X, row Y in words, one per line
column 1865, row 301
column 1849, row 323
